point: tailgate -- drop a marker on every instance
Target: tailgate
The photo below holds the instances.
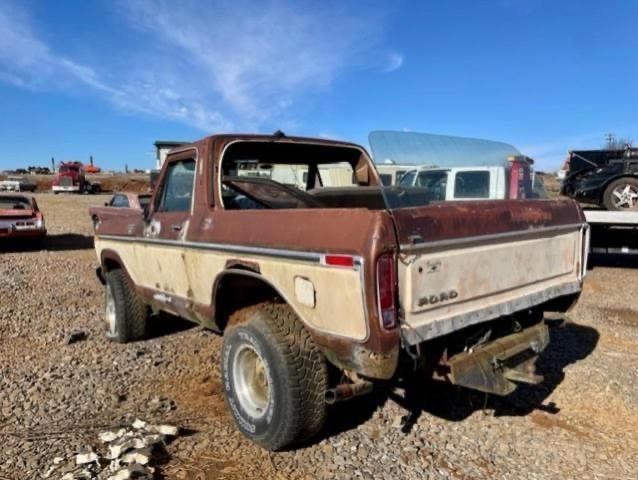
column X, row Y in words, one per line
column 496, row 263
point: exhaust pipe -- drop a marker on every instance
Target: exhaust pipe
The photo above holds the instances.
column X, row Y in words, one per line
column 346, row 391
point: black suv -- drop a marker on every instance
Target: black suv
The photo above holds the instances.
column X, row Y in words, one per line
column 608, row 178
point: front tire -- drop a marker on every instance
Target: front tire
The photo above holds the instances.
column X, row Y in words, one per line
column 621, row 194
column 125, row 314
column 274, row 375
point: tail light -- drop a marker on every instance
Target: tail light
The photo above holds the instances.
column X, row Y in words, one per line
column 386, row 291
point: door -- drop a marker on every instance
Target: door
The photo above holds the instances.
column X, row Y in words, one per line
column 162, row 255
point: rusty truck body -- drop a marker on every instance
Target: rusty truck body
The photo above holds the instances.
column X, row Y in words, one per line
column 357, row 278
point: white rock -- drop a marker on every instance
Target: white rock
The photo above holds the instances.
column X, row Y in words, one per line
column 165, row 429
column 127, row 472
column 139, row 424
column 142, row 456
column 107, row 437
column 84, row 458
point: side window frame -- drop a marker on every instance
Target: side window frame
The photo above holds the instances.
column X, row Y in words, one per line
column 489, row 184
column 163, row 197
column 188, row 153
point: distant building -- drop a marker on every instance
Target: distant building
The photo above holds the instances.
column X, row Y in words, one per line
column 162, row 147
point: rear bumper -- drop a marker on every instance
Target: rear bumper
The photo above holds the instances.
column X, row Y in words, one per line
column 10, row 229
column 421, row 333
column 22, row 234
column 495, row 366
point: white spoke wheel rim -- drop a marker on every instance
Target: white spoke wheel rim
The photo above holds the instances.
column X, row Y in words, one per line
column 109, row 314
column 625, row 196
column 252, row 382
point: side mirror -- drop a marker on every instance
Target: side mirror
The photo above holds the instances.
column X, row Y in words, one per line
column 106, row 204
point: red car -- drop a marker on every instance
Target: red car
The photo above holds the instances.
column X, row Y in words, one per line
column 121, row 201
column 20, row 217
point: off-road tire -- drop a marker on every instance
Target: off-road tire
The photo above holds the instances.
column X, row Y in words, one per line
column 296, row 372
column 608, row 201
column 131, row 312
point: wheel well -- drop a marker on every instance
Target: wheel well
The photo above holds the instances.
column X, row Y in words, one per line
column 109, row 264
column 240, row 289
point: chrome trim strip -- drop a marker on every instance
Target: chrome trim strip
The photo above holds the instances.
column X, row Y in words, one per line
column 268, row 252
column 486, row 238
column 420, row 333
column 586, row 232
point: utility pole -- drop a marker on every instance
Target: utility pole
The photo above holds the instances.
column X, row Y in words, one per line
column 611, row 139
column 52, row 164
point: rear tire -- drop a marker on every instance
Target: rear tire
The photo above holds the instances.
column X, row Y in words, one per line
column 274, row 375
column 621, row 194
column 125, row 312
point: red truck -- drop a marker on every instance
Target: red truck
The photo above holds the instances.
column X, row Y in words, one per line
column 71, row 177
column 313, row 266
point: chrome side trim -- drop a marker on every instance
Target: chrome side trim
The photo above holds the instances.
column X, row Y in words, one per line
column 455, row 242
column 437, row 328
column 267, row 252
column 586, row 233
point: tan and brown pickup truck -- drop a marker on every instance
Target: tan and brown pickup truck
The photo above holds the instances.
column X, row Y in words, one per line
column 293, row 250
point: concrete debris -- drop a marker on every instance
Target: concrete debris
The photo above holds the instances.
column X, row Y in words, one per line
column 132, row 471
column 84, row 458
column 130, row 454
column 141, row 456
column 168, row 430
column 107, row 437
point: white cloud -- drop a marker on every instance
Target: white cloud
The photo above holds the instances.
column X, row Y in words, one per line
column 27, row 62
column 394, row 62
column 259, row 61
column 212, row 66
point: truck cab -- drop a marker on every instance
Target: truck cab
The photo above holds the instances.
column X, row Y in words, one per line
column 71, row 178
column 515, row 181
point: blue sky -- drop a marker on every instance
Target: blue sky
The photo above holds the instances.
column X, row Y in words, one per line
column 108, row 78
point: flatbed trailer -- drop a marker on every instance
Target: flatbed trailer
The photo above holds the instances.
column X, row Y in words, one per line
column 613, row 232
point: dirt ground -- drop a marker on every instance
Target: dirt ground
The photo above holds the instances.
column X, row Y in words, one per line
column 581, row 422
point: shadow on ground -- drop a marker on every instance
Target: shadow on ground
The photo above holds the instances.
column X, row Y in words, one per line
column 569, row 343
column 614, row 260
column 52, row 243
column 164, row 324
column 67, row 241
